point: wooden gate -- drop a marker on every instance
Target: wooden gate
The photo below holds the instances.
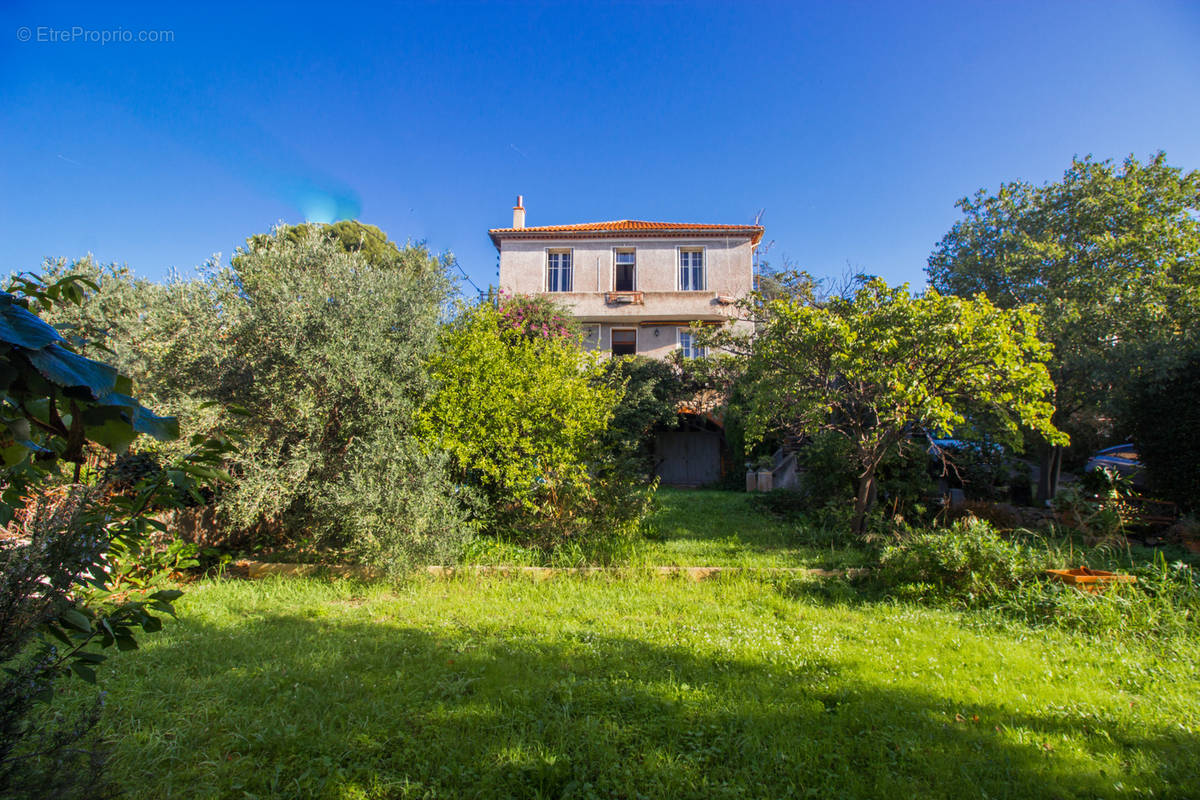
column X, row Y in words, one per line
column 688, row 457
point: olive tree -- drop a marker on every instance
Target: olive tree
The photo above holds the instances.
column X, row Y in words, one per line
column 882, row 364
column 317, row 350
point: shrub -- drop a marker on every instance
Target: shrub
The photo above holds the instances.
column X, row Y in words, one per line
column 524, row 419
column 70, row 581
column 1099, row 506
column 969, row 561
column 971, row 565
column 650, row 392
column 786, row 504
column 829, row 479
column 536, row 316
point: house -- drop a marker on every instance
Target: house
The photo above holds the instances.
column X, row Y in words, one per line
column 637, row 287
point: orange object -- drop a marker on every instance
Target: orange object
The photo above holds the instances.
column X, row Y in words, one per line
column 1089, row 580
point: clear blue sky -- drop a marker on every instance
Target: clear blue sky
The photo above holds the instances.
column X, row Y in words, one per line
column 855, row 126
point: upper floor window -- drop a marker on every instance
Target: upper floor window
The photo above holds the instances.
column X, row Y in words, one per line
column 691, row 270
column 625, row 272
column 558, row 271
column 687, row 343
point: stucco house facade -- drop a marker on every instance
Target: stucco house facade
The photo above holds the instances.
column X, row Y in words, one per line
column 637, row 287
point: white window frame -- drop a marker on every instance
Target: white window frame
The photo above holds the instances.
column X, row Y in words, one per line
column 558, row 251
column 633, row 251
column 703, row 251
column 636, row 343
column 689, row 350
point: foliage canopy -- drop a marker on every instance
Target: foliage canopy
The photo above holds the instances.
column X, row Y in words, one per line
column 1109, row 255
column 884, row 365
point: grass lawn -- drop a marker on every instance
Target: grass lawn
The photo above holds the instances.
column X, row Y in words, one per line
column 701, row 528
column 601, row 687
column 698, row 528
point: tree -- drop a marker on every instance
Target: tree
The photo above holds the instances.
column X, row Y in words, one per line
column 1110, row 256
column 327, row 353
column 323, row 352
column 651, row 391
column 350, row 235
column 1164, row 418
column 883, row 365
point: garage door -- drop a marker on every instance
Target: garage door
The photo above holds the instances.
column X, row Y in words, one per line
column 688, row 458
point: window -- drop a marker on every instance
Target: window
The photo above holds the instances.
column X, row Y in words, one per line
column 624, row 342
column 558, row 271
column 688, row 346
column 691, row 270
column 625, row 274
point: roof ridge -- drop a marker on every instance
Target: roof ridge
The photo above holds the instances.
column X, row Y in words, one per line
column 627, row 225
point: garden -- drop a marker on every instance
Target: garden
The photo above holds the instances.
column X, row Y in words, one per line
column 484, row 592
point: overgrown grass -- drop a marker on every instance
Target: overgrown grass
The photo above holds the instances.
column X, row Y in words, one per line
column 636, row 688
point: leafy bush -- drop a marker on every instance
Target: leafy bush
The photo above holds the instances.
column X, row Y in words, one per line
column 829, row 479
column 1164, row 603
column 399, row 507
column 969, row 561
column 971, row 565
column 1099, row 506
column 524, row 420
column 650, row 392
column 537, row 316
column 70, row 581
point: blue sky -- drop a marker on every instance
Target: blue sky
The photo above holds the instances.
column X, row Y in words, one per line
column 855, row 126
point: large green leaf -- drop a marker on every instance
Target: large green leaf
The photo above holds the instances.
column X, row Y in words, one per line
column 23, row 328
column 109, row 426
column 142, row 419
column 72, row 371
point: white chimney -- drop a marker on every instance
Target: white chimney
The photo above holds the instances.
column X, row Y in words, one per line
column 519, row 213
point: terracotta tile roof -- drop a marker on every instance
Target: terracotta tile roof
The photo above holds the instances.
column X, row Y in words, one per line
column 600, row 229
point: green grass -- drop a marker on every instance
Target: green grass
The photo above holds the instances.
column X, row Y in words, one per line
column 722, row 529
column 628, row 686
column 603, row 687
column 697, row 528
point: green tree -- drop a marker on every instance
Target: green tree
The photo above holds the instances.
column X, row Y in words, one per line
column 1110, row 255
column 350, row 235
column 1164, row 418
column 651, row 391
column 326, row 352
column 323, row 352
column 882, row 365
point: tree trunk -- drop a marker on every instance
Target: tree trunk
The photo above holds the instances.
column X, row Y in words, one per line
column 1049, row 473
column 863, row 500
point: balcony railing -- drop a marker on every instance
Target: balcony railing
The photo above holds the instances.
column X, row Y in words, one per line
column 624, row 298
